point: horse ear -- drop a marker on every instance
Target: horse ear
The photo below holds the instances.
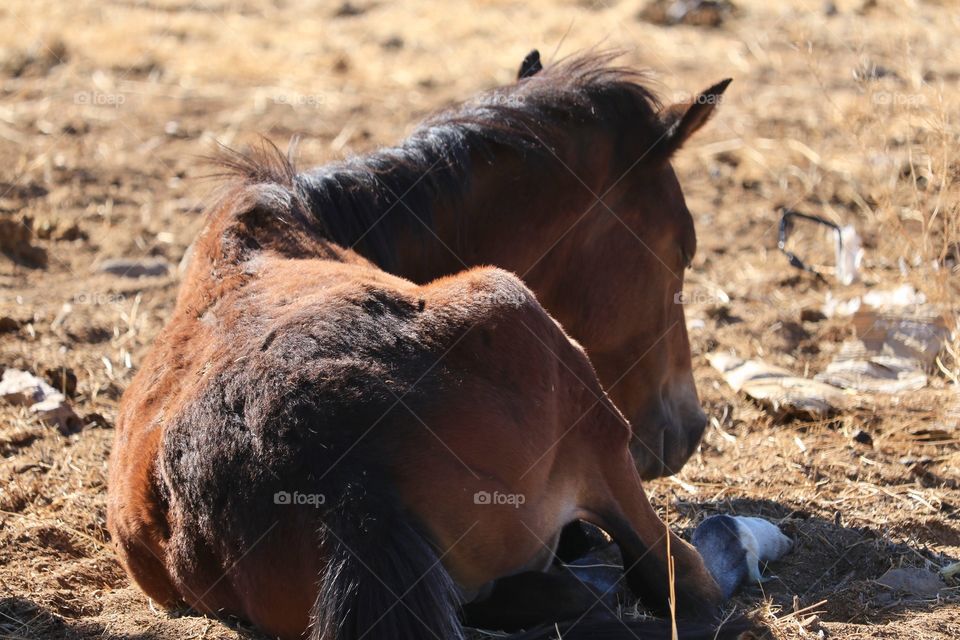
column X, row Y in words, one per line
column 530, row 66
column 682, row 119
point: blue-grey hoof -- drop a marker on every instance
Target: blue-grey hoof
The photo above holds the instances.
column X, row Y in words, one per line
column 734, row 546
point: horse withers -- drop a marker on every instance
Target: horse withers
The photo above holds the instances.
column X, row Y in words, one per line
column 316, row 445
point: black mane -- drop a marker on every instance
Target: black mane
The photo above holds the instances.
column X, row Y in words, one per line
column 363, row 201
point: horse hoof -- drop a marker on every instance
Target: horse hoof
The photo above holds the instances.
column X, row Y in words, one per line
column 734, row 546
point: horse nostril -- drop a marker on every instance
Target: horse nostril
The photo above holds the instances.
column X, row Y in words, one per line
column 695, row 430
column 682, row 432
column 667, row 432
column 698, row 424
column 648, row 450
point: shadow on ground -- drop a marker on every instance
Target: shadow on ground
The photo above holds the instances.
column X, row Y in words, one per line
column 24, row 619
column 833, row 569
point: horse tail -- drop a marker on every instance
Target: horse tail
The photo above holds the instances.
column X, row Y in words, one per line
column 383, row 579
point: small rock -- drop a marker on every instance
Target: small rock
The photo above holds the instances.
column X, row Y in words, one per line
column 951, row 257
column 37, row 61
column 56, row 229
column 863, row 437
column 871, row 71
column 812, row 315
column 349, row 10
column 75, row 128
column 96, row 420
column 134, row 268
column 15, row 241
column 55, row 410
column 70, row 232
column 20, row 388
column 25, row 389
column 174, row 130
column 918, row 582
column 393, row 42
column 697, row 13
column 8, row 324
column 722, row 314
column 43, row 229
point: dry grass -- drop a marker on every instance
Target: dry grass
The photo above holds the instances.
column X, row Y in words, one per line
column 851, row 116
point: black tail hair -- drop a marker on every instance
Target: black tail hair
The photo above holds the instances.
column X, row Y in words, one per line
column 383, row 579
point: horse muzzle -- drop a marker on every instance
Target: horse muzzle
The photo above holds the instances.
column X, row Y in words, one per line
column 661, row 447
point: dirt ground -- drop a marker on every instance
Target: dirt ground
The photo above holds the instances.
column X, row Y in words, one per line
column 849, row 110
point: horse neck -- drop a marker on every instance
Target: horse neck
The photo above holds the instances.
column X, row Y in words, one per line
column 513, row 212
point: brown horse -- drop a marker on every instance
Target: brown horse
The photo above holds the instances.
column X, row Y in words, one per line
column 314, row 443
column 564, row 179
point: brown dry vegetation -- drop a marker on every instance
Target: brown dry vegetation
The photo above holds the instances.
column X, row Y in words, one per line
column 853, row 115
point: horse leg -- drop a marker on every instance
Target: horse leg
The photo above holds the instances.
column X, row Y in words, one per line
column 137, row 523
column 530, row 598
column 644, row 541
